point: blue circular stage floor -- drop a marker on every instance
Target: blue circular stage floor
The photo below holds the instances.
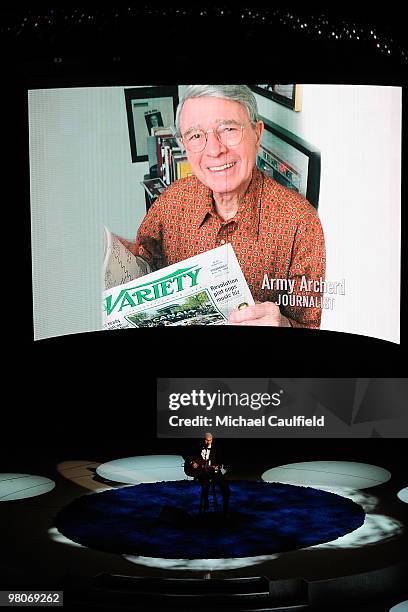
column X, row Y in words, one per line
column 162, row 520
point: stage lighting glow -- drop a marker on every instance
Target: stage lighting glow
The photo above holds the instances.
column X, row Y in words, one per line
column 146, row 468
column 56, row 536
column 23, row 486
column 346, row 474
column 77, row 468
column 403, row 495
column 401, row 607
column 82, row 473
column 366, row 501
column 376, row 528
column 199, row 564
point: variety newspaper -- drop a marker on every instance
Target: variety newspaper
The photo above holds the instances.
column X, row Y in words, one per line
column 201, row 290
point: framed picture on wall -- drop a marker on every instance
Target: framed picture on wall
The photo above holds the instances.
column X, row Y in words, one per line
column 290, row 160
column 147, row 108
column 288, row 95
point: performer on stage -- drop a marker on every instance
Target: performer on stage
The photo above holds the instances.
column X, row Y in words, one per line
column 205, row 468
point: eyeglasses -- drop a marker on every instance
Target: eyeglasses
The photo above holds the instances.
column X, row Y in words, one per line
column 228, row 134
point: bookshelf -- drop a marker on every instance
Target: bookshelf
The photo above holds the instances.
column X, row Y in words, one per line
column 167, row 161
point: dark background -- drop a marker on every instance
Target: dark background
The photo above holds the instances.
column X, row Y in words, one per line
column 59, row 400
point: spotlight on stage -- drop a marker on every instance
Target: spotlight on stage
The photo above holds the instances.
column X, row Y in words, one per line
column 82, row 473
column 345, row 478
column 346, row 474
column 376, row 528
column 146, row 468
column 199, row 565
column 401, row 607
column 56, row 536
column 403, row 495
column 23, row 486
column 367, row 501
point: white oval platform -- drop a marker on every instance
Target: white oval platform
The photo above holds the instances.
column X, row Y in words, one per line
column 22, row 486
column 146, row 468
column 401, row 607
column 328, row 474
column 403, row 495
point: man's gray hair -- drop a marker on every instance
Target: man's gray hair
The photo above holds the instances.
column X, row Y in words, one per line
column 238, row 93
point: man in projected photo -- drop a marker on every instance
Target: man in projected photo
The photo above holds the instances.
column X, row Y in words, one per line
column 275, row 232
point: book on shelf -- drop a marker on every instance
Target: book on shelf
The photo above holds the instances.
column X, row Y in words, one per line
column 167, row 146
column 152, row 156
column 154, row 150
column 167, row 161
column 181, row 166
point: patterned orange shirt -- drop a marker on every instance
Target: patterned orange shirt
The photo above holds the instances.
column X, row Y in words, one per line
column 276, row 235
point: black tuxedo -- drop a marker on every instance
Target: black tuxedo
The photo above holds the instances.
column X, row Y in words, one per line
column 206, row 477
column 213, row 457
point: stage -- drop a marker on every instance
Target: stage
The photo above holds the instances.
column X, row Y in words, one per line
column 367, row 560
